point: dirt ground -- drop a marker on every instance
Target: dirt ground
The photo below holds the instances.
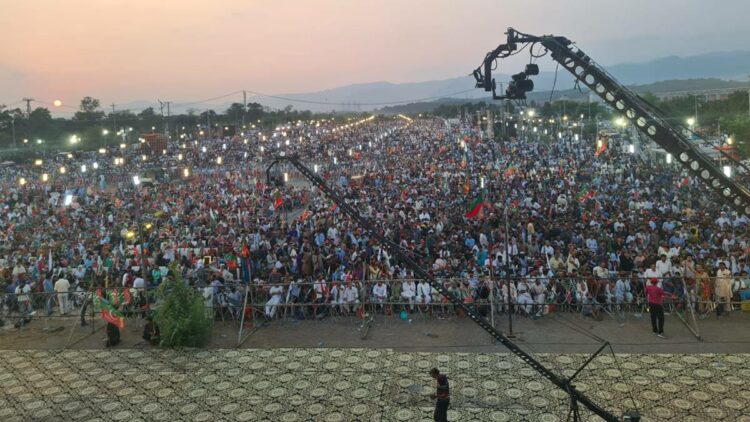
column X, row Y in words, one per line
column 555, row 333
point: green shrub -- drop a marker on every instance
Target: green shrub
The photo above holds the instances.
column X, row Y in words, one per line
column 181, row 315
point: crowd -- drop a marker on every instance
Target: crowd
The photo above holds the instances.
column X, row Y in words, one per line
column 582, row 228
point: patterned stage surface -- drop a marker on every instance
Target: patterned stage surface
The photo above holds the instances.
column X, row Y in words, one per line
column 356, row 384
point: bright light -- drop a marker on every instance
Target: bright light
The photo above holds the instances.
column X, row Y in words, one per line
column 105, row 132
column 565, row 118
column 315, row 168
column 25, row 141
column 203, row 148
column 286, row 177
column 728, row 171
column 286, row 142
column 335, row 160
column 69, row 155
column 599, row 143
column 83, row 168
column 350, row 152
column 531, row 113
column 148, row 226
column 39, row 141
column 57, row 103
column 223, row 146
column 102, row 151
column 690, row 121
column 481, row 182
column 136, row 180
column 68, row 200
column 143, row 157
column 164, row 152
column 730, row 141
column 37, row 162
column 262, row 149
column 130, row 234
column 575, row 136
column 95, row 165
column 620, row 121
column 245, row 141
column 123, row 146
column 186, row 172
column 45, row 177
column 179, row 157
column 73, row 139
column 669, row 158
column 631, row 149
column 22, row 181
column 62, row 170
column 244, row 155
column 218, row 160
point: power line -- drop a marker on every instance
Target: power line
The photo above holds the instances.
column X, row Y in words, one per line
column 260, row 94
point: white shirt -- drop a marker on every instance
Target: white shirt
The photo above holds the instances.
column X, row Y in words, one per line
column 62, row 286
column 424, row 289
column 350, row 294
column 380, row 290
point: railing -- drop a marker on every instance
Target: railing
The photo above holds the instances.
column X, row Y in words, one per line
column 316, row 300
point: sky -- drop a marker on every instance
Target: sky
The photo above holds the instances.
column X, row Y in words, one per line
column 183, row 50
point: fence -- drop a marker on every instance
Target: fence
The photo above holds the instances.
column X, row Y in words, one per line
column 246, row 305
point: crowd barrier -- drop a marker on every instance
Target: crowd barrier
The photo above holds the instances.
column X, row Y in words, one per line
column 258, row 303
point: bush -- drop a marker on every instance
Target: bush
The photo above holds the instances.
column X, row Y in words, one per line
column 181, row 315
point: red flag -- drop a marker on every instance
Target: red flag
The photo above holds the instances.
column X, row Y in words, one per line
column 333, row 207
column 601, row 149
column 304, row 216
column 404, row 195
column 109, row 312
column 278, row 202
column 127, row 299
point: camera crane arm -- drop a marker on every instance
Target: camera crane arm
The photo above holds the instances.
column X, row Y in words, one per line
column 643, row 115
column 562, row 383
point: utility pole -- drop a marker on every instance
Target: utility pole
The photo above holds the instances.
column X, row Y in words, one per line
column 168, row 116
column 13, row 128
column 244, row 107
column 114, row 120
column 208, row 118
column 28, row 105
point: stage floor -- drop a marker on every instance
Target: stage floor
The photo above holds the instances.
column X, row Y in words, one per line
column 357, row 385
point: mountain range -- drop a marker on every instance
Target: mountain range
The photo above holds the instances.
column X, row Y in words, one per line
column 730, row 68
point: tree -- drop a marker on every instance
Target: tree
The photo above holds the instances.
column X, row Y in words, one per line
column 89, row 110
column 181, row 314
column 235, row 112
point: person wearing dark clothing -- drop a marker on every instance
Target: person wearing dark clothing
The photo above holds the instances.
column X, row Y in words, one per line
column 151, row 332
column 442, row 396
column 113, row 335
column 655, row 295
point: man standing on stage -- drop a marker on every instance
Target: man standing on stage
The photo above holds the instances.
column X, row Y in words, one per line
column 442, row 396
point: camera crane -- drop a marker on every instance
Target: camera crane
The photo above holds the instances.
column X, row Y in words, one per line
column 565, row 384
column 647, row 118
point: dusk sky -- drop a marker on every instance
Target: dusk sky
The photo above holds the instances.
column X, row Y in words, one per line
column 125, row 50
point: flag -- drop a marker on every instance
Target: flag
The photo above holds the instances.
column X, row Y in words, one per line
column 601, row 149
column 584, row 194
column 109, row 312
column 279, row 200
column 304, row 216
column 509, row 172
column 475, row 206
column 333, row 207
